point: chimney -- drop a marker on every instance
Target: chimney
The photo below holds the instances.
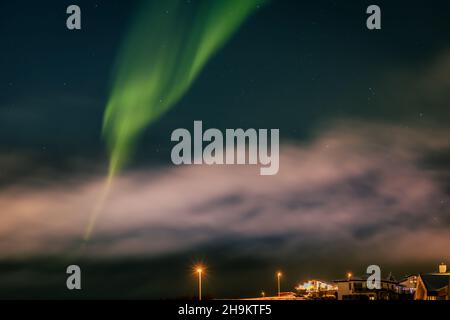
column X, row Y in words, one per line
column 442, row 268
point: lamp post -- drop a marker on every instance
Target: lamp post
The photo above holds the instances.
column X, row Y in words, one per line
column 278, row 281
column 199, row 272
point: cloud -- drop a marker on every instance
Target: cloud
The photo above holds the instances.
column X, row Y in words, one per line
column 357, row 185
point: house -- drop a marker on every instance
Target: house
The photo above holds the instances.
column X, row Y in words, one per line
column 408, row 284
column 355, row 288
column 434, row 286
column 316, row 289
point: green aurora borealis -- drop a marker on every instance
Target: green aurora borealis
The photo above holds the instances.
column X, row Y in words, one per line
column 364, row 144
column 168, row 45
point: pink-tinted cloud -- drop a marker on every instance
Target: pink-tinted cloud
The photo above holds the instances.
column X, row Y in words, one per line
column 359, row 185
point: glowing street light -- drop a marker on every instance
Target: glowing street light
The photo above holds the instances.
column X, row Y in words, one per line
column 349, row 275
column 279, row 274
column 199, row 270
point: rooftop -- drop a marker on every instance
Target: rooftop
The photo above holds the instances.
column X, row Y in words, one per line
column 435, row 282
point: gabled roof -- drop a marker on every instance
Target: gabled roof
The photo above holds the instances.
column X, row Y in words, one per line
column 406, row 277
column 389, row 279
column 435, row 282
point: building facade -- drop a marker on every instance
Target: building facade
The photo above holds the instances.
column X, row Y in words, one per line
column 434, row 286
column 316, row 289
column 355, row 288
column 408, row 284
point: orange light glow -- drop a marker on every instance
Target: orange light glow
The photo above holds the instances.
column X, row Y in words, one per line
column 199, row 269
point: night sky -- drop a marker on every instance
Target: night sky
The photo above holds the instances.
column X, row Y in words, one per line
column 364, row 156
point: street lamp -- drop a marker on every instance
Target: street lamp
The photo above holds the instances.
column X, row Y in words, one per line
column 279, row 274
column 199, row 270
column 349, row 275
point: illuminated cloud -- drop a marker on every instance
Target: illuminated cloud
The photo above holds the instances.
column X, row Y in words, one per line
column 357, row 185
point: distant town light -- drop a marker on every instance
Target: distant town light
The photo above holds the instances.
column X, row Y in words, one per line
column 315, row 286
